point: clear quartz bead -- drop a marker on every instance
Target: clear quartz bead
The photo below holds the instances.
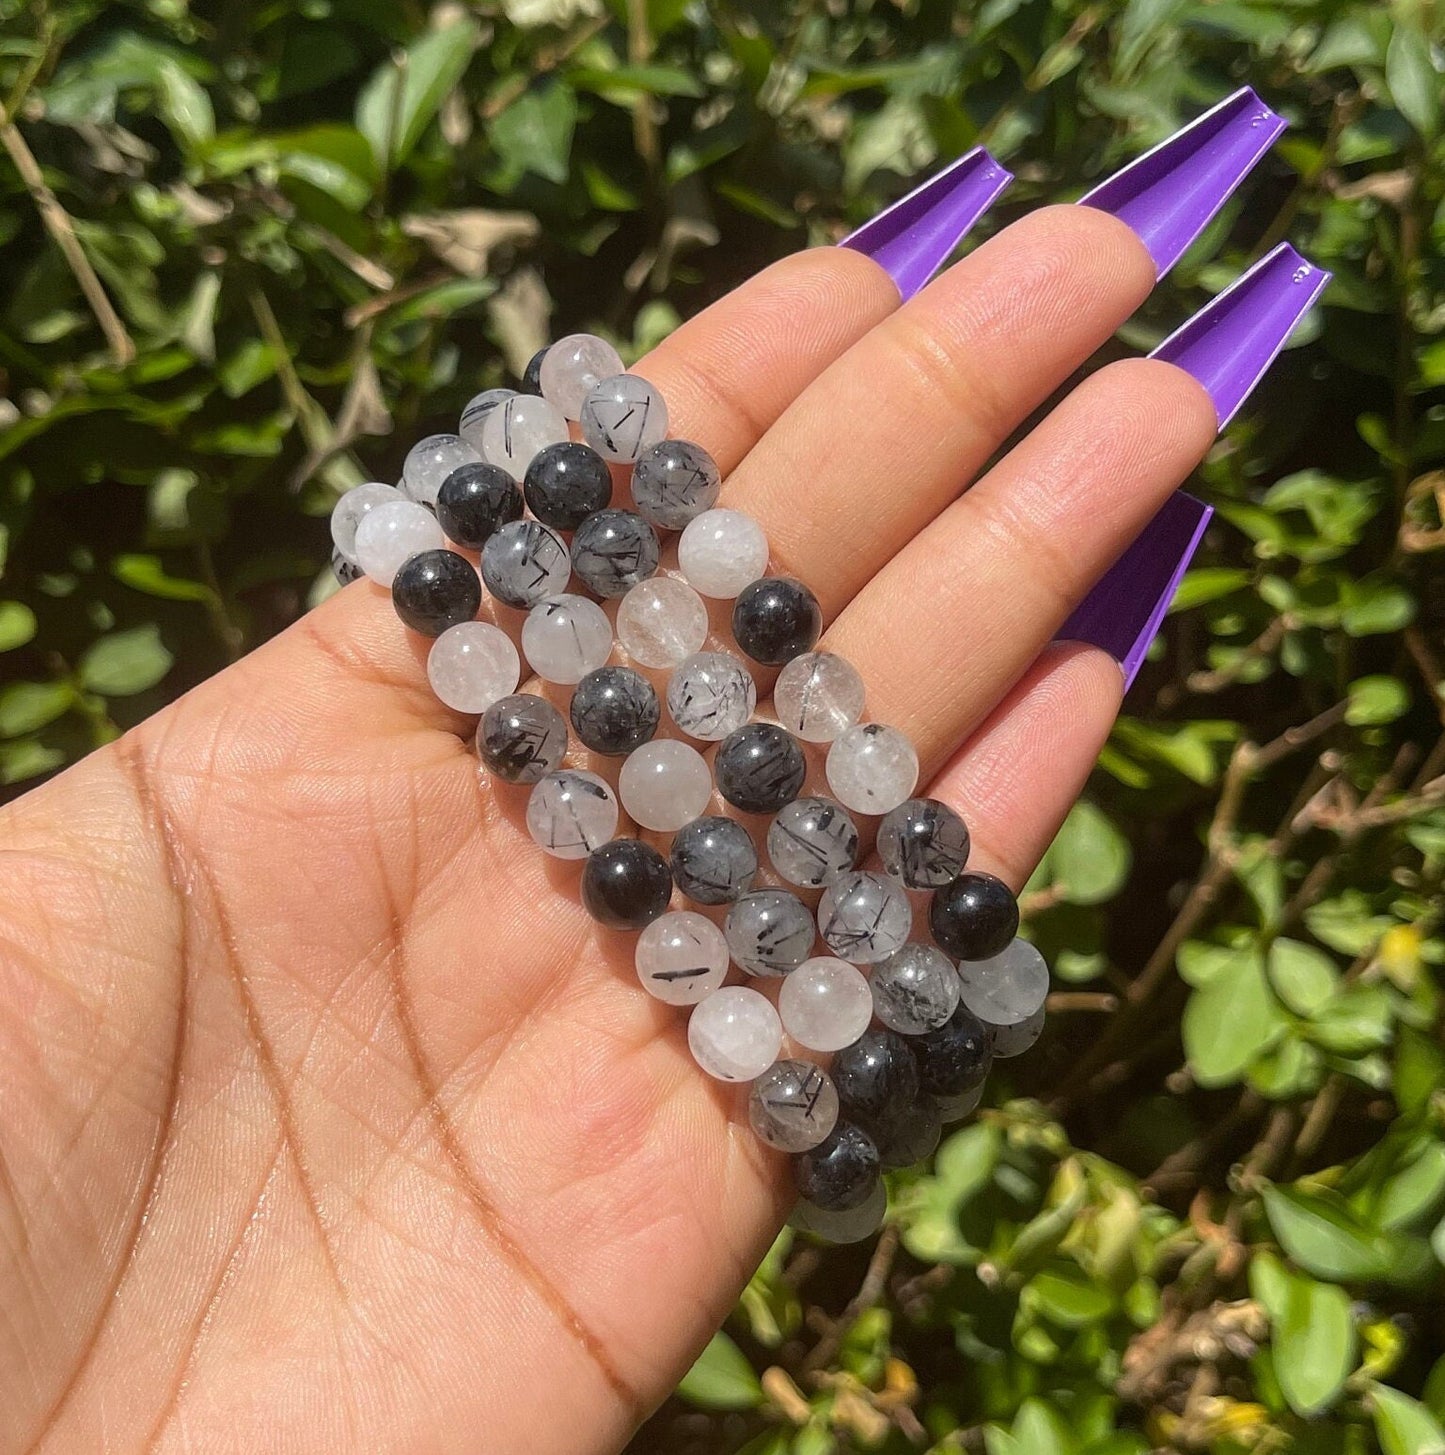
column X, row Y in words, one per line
column 793, row 1105
column 475, row 415
column 915, row 989
column 1007, row 988
column 722, row 551
column 664, row 784
column 524, row 562
column 566, row 637
column 872, row 768
column 518, row 428
column 812, row 841
column 734, row 1034
column 864, row 917
column 430, row 461
column 391, row 534
column 770, row 932
column 573, row 367
column 681, row 957
column 622, row 416
column 472, row 665
column 818, row 696
column 570, row 813
column 1016, row 1039
column 711, row 695
column 825, row 1004
column 661, row 621
column 348, row 512
column 851, row 1225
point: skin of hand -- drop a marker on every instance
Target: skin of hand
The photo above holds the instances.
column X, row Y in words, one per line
column 328, row 1120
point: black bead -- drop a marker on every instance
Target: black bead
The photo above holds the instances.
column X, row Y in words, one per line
column 345, row 571
column 474, row 500
column 532, row 374
column 435, row 590
column 615, row 710
column 714, row 860
column 613, row 550
column 975, row 917
column 910, row 1137
column 760, row 767
column 625, row 884
column 775, row 619
column 566, row 483
column 876, row 1077
column 841, row 1171
column 954, row 1057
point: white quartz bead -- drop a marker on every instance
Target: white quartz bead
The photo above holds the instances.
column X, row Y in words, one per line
column 570, row 813
column 711, row 695
column 347, row 513
column 518, row 428
column 915, row 989
column 721, row 552
column 566, row 637
column 850, row 1226
column 392, row 534
column 818, row 696
column 1016, row 1039
column 471, row 665
column 622, row 416
column 864, row 917
column 825, row 1004
column 734, row 1034
column 872, row 768
column 573, row 367
column 681, row 957
column 430, row 461
column 664, row 784
column 661, row 621
column 1007, row 988
column 474, row 416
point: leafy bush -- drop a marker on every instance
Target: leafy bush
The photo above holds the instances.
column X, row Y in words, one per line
column 249, row 251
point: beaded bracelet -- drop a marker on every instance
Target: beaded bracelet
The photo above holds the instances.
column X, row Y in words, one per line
column 511, row 485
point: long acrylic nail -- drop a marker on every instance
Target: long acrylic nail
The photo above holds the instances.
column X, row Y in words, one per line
column 1170, row 194
column 913, row 237
column 1230, row 342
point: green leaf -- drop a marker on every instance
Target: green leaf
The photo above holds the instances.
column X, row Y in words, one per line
column 1229, row 1021
column 1323, row 1235
column 1067, row 1298
column 27, row 758
column 1090, row 857
column 1403, row 1425
column 26, row 706
column 722, row 1378
column 125, row 662
column 1415, row 85
column 17, row 625
column 1375, row 700
column 1209, row 583
column 1415, row 1192
column 403, row 96
column 145, row 573
column 534, row 134
column 1303, row 977
column 1315, row 1344
column 1374, row 605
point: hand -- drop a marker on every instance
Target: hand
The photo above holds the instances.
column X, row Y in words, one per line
column 328, row 1120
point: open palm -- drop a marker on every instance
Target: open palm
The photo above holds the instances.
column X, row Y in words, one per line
column 328, row 1120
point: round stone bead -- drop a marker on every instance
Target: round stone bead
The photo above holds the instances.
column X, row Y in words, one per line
column 345, row 571
column 681, row 957
column 613, row 550
column 734, row 1034
column 565, row 483
column 770, row 932
column 915, row 989
column 348, row 512
column 473, row 665
column 955, row 1108
column 673, row 482
column 877, row 1078
column 793, row 1105
column 573, row 367
column 841, row 1172
column 825, row 1004
column 910, row 1138
column 625, row 884
column 622, row 416
column 953, row 1057
column 713, row 860
column 522, row 738
column 1008, row 987
column 664, row 784
column 474, row 500
column 812, row 841
column 819, row 696
column 710, row 695
column 1016, row 1039
column 850, row 1226
column 872, row 768
column 430, row 461
column 721, row 551
column 775, row 619
column 393, row 533
column 437, row 590
column 661, row 622
column 615, row 710
column 475, row 415
column 864, row 917
column 975, row 917
column 760, row 767
column 571, row 813
column 518, row 428
column 566, row 637
column 525, row 562
column 923, row 842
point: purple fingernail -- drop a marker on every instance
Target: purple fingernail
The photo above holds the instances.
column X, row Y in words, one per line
column 1170, row 194
column 1230, row 342
column 1126, row 608
column 912, row 238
